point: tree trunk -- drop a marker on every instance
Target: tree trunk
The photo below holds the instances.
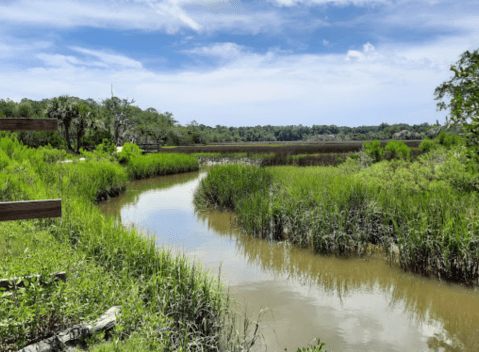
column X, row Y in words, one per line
column 67, row 132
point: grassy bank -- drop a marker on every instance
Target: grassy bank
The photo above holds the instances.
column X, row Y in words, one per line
column 428, row 208
column 167, row 302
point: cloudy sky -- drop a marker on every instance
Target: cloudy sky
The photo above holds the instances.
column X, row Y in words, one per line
column 241, row 63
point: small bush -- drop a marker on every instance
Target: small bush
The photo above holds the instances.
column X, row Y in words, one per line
column 107, row 146
column 129, row 150
column 52, row 155
column 397, row 148
column 374, row 150
column 96, row 137
column 441, row 137
column 427, row 144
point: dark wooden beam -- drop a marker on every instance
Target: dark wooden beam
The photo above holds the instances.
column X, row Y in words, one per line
column 28, row 124
column 34, row 209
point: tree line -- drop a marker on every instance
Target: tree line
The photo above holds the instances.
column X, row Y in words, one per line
column 85, row 123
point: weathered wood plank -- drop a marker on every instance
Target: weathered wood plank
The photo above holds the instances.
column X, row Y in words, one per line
column 70, row 336
column 4, row 283
column 28, row 124
column 35, row 209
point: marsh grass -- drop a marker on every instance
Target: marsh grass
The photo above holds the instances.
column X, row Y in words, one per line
column 161, row 164
column 225, row 185
column 167, row 301
column 286, row 158
column 289, row 149
column 428, row 208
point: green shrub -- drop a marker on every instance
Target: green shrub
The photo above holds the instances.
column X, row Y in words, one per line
column 451, row 140
column 374, row 150
column 52, row 155
column 96, row 137
column 397, row 149
column 106, row 147
column 444, row 138
column 472, row 165
column 103, row 151
column 427, row 144
column 441, row 137
column 9, row 144
column 4, row 160
column 129, row 150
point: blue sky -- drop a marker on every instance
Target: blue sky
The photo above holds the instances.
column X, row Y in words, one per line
column 241, row 63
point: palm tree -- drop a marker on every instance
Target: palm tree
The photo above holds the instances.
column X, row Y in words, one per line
column 63, row 109
column 86, row 118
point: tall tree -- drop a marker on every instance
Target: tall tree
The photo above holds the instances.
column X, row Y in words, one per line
column 464, row 89
column 120, row 111
column 86, row 118
column 63, row 109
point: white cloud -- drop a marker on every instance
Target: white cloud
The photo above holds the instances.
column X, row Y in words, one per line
column 59, row 60
column 167, row 15
column 290, row 3
column 325, row 42
column 13, row 47
column 106, row 60
column 172, row 9
column 110, row 59
column 223, row 50
column 75, row 13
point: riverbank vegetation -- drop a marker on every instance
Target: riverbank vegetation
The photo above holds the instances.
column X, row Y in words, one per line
column 324, row 154
column 167, row 302
column 427, row 208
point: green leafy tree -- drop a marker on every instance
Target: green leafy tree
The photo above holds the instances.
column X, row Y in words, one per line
column 25, row 110
column 8, row 107
column 464, row 90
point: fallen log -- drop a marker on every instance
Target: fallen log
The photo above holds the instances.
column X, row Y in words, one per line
column 70, row 336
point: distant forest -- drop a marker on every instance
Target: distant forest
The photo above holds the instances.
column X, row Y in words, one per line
column 84, row 123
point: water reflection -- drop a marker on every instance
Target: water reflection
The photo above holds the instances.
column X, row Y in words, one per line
column 352, row 304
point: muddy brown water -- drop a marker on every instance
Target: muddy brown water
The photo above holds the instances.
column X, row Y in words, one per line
column 351, row 304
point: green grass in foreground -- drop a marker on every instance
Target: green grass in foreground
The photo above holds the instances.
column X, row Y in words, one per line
column 429, row 209
column 168, row 302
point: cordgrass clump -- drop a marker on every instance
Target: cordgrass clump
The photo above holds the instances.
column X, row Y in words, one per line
column 150, row 165
column 226, row 184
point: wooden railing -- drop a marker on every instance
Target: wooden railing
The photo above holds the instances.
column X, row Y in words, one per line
column 34, row 209
column 150, row 148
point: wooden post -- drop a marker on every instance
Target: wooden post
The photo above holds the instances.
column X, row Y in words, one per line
column 36, row 209
column 30, row 209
